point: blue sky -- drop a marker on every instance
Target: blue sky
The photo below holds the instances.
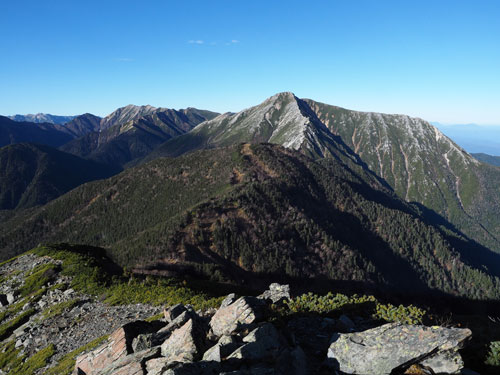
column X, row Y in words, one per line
column 439, row 60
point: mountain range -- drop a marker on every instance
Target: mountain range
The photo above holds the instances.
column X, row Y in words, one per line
column 132, row 132
column 42, row 118
column 353, row 197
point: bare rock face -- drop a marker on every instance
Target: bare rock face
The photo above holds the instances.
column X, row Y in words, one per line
column 241, row 313
column 118, row 346
column 380, row 350
column 185, row 344
column 132, row 364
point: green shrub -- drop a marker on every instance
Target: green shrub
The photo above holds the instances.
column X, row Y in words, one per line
column 330, row 303
column 38, row 277
column 89, row 276
column 35, row 362
column 361, row 305
column 403, row 314
column 6, row 329
column 9, row 356
column 493, row 357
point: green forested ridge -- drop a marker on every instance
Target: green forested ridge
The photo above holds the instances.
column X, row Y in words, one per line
column 235, row 212
column 32, row 174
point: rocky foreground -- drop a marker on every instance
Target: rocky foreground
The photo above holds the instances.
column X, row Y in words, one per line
column 239, row 338
column 244, row 335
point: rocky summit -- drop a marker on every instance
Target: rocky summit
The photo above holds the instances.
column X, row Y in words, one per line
column 241, row 338
column 49, row 325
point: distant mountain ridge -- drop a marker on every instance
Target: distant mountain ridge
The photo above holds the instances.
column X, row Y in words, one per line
column 16, row 132
column 132, row 132
column 474, row 138
column 489, row 159
column 32, row 174
column 42, row 117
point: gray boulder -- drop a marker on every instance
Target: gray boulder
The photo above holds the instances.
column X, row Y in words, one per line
column 263, row 343
column 178, row 322
column 11, row 297
column 379, row 350
column 173, row 312
column 185, row 344
column 237, row 315
column 276, row 293
column 225, row 346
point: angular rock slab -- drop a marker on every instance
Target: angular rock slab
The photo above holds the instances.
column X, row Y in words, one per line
column 262, row 343
column 184, row 344
column 242, row 312
column 118, row 346
column 379, row 350
column 132, row 364
column 173, row 312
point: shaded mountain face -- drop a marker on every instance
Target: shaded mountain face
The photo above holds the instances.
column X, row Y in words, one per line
column 32, row 175
column 127, row 141
column 489, row 159
column 83, row 124
column 259, row 210
column 43, row 117
column 44, row 133
column 424, row 166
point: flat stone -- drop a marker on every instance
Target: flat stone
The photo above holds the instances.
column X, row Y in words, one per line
column 379, row 350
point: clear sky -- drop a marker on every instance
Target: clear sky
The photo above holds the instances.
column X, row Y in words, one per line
column 439, row 60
